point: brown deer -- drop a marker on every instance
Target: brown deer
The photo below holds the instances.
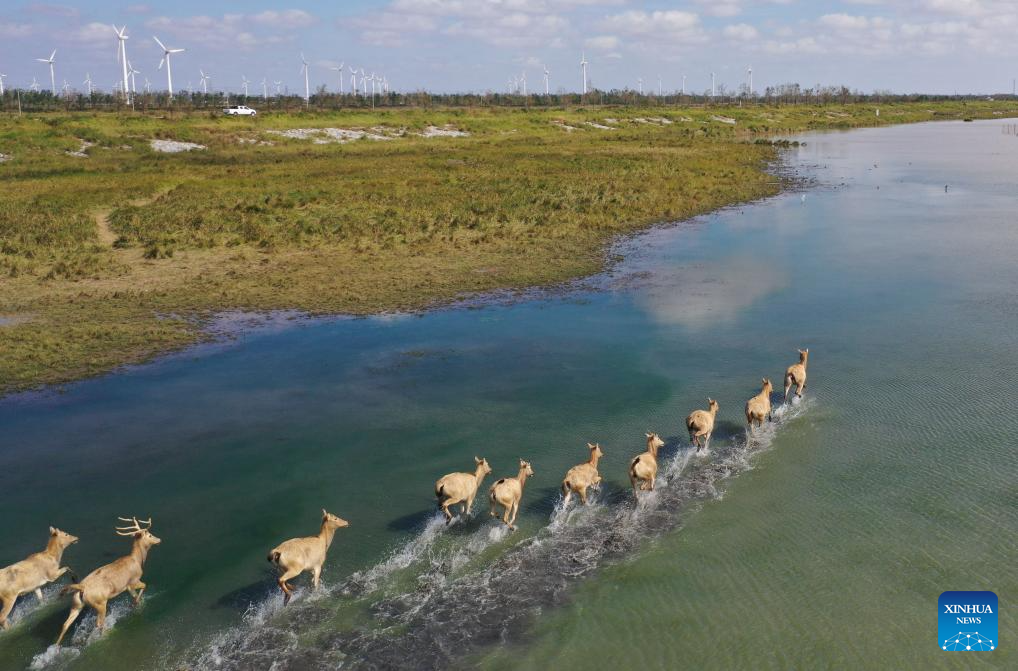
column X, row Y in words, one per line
column 305, row 554
column 580, row 477
column 700, row 424
column 758, row 408
column 29, row 575
column 643, row 469
column 113, row 579
column 507, row 492
column 461, row 488
column 796, row 374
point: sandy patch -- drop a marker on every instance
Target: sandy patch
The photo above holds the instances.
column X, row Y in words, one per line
column 85, row 144
column 328, row 135
column 564, row 126
column 4, row 158
column 256, row 141
column 599, row 126
column 723, row 119
column 174, row 147
column 444, row 131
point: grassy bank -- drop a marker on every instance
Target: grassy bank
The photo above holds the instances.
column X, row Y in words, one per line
column 118, row 254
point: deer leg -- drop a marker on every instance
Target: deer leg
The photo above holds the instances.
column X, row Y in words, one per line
column 506, row 510
column 5, row 610
column 287, row 588
column 76, row 607
column 788, row 385
column 316, row 577
column 445, row 511
column 470, row 503
column 140, row 586
column 38, row 594
column 583, row 495
column 516, row 509
column 100, row 621
column 567, row 494
column 799, row 386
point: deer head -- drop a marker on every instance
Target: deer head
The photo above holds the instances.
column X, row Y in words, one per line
column 595, row 450
column 141, row 535
column 333, row 521
column 482, row 465
column 712, row 404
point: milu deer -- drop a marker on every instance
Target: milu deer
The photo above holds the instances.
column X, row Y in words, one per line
column 643, row 468
column 758, row 408
column 297, row 555
column 113, row 579
column 580, row 477
column 461, row 488
column 796, row 374
column 29, row 575
column 507, row 493
column 700, row 424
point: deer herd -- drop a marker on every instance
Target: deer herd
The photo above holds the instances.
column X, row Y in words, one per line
column 297, row 555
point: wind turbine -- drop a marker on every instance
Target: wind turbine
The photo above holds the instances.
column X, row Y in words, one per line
column 583, row 66
column 204, row 81
column 353, row 79
column 524, row 79
column 244, row 81
column 364, row 82
column 307, row 85
column 34, row 86
column 265, row 88
column 683, row 84
column 148, row 85
column 749, row 73
column 278, row 84
column 546, row 73
column 134, row 83
column 713, row 89
column 87, row 82
column 52, row 73
column 122, row 53
column 65, row 88
column 2, row 75
column 340, row 71
column 166, row 59
column 659, row 86
column 639, row 83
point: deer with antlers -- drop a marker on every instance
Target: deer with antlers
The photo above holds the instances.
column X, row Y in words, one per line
column 113, row 579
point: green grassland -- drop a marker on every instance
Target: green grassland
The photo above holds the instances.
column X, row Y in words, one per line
column 125, row 253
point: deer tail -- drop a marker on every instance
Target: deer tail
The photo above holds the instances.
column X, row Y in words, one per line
column 74, row 587
column 274, row 556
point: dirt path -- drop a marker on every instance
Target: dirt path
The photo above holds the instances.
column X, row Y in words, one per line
column 102, row 217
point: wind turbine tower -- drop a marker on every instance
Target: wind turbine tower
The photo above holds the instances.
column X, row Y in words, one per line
column 307, row 84
column 546, row 73
column 583, row 66
column 2, row 76
column 749, row 74
column 52, row 73
column 122, row 54
column 713, row 88
column 166, row 59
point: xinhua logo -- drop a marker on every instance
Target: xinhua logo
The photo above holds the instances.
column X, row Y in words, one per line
column 967, row 621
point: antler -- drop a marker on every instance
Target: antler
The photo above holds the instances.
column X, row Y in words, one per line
column 135, row 526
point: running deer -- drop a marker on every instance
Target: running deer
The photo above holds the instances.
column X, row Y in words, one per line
column 507, row 493
column 582, row 476
column 796, row 374
column 29, row 575
column 113, row 579
column 305, row 554
column 461, row 488
column 643, row 469
column 758, row 408
column 700, row 424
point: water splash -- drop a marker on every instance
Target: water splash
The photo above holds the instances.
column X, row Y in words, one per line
column 459, row 604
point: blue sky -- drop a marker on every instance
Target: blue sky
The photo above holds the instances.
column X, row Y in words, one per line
column 938, row 46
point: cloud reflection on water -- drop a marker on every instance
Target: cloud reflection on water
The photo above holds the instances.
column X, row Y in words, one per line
column 704, row 294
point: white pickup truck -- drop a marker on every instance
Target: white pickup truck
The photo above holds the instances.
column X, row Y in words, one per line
column 239, row 110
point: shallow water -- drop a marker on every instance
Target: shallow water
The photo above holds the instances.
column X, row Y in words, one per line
column 823, row 542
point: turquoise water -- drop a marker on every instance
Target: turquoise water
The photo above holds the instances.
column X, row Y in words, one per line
column 822, row 542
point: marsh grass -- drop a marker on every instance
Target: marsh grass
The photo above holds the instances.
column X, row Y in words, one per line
column 355, row 227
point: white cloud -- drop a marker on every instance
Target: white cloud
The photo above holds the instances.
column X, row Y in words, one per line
column 289, row 18
column 602, row 42
column 844, row 21
column 13, row 30
column 725, row 8
column 742, row 32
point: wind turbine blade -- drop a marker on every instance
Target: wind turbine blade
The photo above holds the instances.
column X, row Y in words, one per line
column 161, row 63
column 161, row 45
column 176, row 51
column 53, row 55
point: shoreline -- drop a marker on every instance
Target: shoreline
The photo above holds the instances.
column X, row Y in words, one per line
column 193, row 326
